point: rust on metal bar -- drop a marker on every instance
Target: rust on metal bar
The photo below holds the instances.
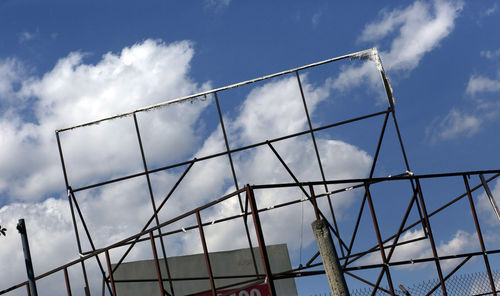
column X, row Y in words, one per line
column 480, row 235
column 205, row 254
column 380, row 244
column 66, row 280
column 157, row 264
column 367, row 282
column 431, row 237
column 260, row 239
column 450, row 274
column 111, row 279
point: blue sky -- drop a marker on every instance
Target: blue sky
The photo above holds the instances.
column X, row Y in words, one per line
column 66, row 63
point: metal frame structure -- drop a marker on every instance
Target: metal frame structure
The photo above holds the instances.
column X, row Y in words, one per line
column 155, row 230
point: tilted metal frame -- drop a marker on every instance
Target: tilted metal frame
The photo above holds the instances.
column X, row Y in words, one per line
column 249, row 208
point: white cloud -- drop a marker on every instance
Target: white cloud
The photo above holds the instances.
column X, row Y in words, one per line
column 490, row 54
column 316, row 18
column 217, row 5
column 420, row 28
column 491, row 10
column 467, row 123
column 46, row 222
column 52, row 237
column 455, row 124
column 75, row 92
column 460, row 242
column 11, row 73
column 26, row 36
column 484, row 109
column 481, row 84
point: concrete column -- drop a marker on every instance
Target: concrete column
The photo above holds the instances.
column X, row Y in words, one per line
column 328, row 254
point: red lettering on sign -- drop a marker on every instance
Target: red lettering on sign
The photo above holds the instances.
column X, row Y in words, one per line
column 260, row 290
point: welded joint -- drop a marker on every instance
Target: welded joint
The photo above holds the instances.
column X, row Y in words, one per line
column 370, row 54
column 373, row 55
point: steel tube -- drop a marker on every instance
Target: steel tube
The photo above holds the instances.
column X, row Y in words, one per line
column 260, row 239
column 480, row 235
column 66, row 280
column 111, row 278
column 21, row 227
column 157, row 264
column 205, row 254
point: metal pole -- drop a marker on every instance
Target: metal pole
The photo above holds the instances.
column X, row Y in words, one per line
column 490, row 196
column 110, row 270
column 330, row 259
column 21, row 227
column 205, row 254
column 260, row 239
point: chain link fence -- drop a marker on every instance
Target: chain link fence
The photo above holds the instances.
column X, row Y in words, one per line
column 466, row 284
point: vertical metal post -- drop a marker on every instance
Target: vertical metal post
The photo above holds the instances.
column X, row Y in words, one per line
column 431, row 237
column 205, row 253
column 21, row 227
column 157, row 264
column 480, row 235
column 380, row 243
column 318, row 158
column 84, row 270
column 72, row 197
column 66, row 279
column 314, row 202
column 329, row 257
column 110, row 270
column 151, row 195
column 235, row 180
column 260, row 239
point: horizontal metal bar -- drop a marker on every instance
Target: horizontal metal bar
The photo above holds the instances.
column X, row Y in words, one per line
column 151, row 171
column 373, row 180
column 190, row 97
column 421, row 260
column 197, row 278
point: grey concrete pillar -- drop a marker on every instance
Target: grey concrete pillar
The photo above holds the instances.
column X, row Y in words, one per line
column 328, row 254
